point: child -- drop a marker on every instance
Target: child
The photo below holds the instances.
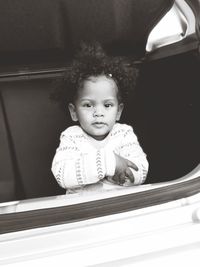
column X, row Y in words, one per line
column 98, row 149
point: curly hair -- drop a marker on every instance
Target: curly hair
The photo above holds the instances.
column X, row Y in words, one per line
column 91, row 60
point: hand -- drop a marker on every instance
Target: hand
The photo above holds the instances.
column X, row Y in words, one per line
column 122, row 170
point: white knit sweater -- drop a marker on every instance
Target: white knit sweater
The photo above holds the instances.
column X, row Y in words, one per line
column 81, row 160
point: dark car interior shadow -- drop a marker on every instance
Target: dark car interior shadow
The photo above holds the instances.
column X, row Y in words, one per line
column 163, row 112
column 163, row 109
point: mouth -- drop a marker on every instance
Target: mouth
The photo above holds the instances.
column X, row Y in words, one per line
column 99, row 124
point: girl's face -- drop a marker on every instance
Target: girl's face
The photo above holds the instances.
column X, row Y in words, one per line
column 97, row 107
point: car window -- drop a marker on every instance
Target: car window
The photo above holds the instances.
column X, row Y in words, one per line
column 164, row 112
column 163, row 138
column 176, row 25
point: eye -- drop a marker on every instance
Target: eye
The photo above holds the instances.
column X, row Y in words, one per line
column 87, row 105
column 108, row 105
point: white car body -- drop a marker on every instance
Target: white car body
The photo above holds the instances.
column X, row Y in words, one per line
column 158, row 235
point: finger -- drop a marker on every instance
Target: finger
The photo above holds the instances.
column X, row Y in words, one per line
column 131, row 165
column 119, row 179
column 130, row 175
column 115, row 178
column 122, row 178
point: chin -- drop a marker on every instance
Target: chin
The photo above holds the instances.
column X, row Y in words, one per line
column 99, row 136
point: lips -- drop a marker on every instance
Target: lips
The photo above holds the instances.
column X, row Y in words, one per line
column 99, row 124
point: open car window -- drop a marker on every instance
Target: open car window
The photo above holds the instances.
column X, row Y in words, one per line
column 167, row 88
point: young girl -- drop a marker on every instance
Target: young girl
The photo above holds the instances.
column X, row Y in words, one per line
column 98, row 149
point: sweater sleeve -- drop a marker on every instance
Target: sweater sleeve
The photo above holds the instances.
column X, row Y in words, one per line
column 131, row 150
column 74, row 165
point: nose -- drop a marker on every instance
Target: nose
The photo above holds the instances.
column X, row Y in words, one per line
column 98, row 112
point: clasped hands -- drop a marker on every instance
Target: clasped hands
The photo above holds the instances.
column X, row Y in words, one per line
column 123, row 171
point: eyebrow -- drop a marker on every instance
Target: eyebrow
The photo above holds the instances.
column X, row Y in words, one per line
column 86, row 99
column 90, row 99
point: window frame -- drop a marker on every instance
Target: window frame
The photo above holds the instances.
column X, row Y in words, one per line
column 44, row 217
column 159, row 194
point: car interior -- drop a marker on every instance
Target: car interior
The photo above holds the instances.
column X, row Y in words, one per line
column 38, row 39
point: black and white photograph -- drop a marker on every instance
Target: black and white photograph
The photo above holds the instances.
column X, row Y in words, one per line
column 99, row 133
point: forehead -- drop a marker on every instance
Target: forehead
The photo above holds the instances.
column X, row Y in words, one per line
column 99, row 86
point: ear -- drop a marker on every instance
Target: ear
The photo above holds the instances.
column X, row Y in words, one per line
column 120, row 109
column 72, row 111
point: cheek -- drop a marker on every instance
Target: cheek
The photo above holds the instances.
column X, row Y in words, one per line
column 115, row 112
column 84, row 115
column 111, row 116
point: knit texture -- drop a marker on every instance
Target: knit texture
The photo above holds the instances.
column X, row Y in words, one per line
column 81, row 160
